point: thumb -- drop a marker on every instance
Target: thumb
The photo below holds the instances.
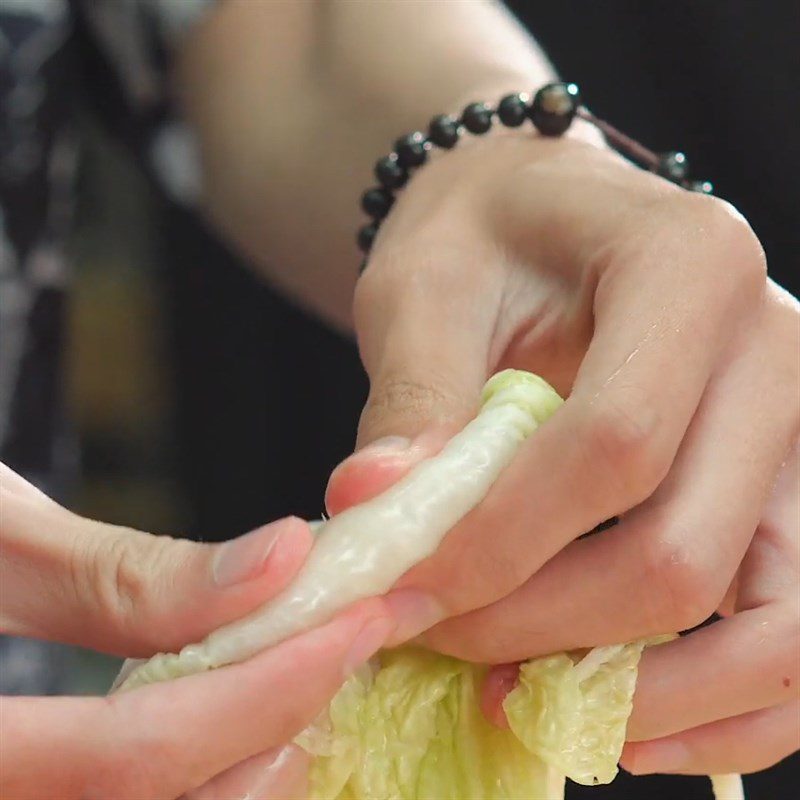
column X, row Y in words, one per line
column 70, row 579
column 426, row 354
column 420, row 396
column 426, row 376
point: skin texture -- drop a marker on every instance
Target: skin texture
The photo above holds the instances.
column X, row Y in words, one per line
column 74, row 580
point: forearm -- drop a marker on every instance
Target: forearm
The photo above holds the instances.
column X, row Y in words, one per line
column 293, row 103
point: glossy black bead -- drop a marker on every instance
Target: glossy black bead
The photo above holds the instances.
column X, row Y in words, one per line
column 376, row 202
column 391, row 174
column 443, row 131
column 477, row 117
column 702, row 187
column 512, row 110
column 366, row 236
column 673, row 166
column 412, row 150
column 554, row 107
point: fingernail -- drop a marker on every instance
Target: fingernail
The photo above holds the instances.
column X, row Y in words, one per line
column 388, row 444
column 413, row 611
column 665, row 756
column 369, row 640
column 243, row 559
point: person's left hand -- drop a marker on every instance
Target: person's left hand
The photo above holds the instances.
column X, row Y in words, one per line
column 70, row 579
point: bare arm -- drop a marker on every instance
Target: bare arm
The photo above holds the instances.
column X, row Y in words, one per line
column 294, row 101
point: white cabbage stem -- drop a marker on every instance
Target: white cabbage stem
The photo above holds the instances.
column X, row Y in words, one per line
column 727, row 787
column 363, row 551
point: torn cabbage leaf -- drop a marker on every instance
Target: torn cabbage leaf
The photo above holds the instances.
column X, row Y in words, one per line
column 411, row 728
column 572, row 712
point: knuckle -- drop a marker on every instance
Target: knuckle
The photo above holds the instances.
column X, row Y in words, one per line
column 622, row 437
column 741, row 255
column 121, row 576
column 784, row 314
column 681, row 590
column 97, row 567
column 122, row 568
column 405, row 395
column 398, row 401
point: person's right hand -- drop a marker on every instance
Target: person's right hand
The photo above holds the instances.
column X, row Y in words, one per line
column 70, row 579
column 649, row 309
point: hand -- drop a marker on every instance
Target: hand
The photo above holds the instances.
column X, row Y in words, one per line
column 649, row 306
column 73, row 580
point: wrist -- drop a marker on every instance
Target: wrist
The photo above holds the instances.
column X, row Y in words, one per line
column 552, row 110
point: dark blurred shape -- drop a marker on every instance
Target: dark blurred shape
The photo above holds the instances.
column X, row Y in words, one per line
column 267, row 397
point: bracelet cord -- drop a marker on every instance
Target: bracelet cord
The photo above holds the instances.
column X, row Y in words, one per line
column 551, row 110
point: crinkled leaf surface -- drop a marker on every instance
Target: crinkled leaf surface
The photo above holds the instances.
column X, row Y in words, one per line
column 411, row 729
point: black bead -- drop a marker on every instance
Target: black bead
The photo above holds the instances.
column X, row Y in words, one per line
column 554, row 107
column 701, row 187
column 390, row 172
column 366, row 236
column 412, row 150
column 443, row 131
column 673, row 166
column 377, row 202
column 477, row 117
column 513, row 109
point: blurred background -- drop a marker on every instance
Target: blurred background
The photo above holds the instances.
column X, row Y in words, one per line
column 195, row 388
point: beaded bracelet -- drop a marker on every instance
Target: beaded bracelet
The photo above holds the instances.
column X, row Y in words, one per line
column 552, row 110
